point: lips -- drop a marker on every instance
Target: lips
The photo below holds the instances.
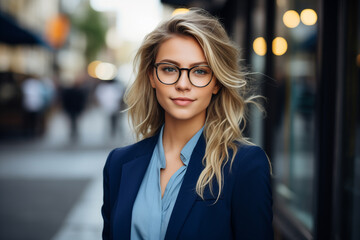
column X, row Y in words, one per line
column 181, row 101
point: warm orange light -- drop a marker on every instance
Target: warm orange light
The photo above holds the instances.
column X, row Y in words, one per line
column 180, row 11
column 358, row 60
column 291, row 19
column 308, row 17
column 279, row 46
column 92, row 68
column 57, row 30
column 259, row 46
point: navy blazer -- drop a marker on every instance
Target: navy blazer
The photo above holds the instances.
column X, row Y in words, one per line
column 244, row 210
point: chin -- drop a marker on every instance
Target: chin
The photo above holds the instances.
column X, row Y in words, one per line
column 184, row 116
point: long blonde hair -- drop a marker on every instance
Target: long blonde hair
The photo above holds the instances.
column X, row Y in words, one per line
column 227, row 109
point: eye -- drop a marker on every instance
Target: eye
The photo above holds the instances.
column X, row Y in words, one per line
column 168, row 69
column 201, row 70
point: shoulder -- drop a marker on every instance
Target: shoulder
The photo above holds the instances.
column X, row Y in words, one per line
column 251, row 174
column 251, row 194
column 247, row 152
column 120, row 156
column 251, row 158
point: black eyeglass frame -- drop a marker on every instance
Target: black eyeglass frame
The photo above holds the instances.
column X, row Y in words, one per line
column 156, row 65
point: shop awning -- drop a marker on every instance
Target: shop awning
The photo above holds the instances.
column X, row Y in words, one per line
column 12, row 33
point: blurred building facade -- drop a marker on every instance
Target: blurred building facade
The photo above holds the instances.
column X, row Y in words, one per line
column 25, row 66
column 305, row 55
column 51, row 43
column 76, row 44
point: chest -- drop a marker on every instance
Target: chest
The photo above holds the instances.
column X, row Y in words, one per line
column 172, row 166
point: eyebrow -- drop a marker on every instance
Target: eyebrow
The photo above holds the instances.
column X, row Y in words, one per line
column 176, row 63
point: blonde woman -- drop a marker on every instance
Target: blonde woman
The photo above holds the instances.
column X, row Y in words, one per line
column 193, row 175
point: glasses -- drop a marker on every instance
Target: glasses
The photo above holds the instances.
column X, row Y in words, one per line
column 168, row 74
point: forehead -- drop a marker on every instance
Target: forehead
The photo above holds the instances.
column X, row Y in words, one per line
column 184, row 50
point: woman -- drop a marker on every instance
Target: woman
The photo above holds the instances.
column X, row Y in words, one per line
column 194, row 175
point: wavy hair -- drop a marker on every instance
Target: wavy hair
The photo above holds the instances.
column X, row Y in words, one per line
column 226, row 113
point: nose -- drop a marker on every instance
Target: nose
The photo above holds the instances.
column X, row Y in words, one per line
column 184, row 82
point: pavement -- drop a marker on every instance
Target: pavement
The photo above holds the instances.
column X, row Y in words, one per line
column 51, row 188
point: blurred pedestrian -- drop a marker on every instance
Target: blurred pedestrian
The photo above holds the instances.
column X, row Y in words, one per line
column 74, row 99
column 109, row 95
column 194, row 175
column 34, row 102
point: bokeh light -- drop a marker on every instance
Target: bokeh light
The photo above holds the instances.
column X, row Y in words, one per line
column 91, row 68
column 291, row 19
column 279, row 46
column 180, row 11
column 308, row 17
column 105, row 71
column 57, row 30
column 259, row 46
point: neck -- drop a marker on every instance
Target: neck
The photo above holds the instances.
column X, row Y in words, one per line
column 178, row 132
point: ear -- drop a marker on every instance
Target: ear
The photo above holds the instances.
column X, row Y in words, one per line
column 151, row 78
column 216, row 88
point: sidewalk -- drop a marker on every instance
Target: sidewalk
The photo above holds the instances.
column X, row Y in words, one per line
column 53, row 187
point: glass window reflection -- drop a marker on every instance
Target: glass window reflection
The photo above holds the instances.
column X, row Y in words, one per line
column 294, row 153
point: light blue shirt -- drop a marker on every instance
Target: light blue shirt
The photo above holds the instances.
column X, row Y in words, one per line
column 151, row 213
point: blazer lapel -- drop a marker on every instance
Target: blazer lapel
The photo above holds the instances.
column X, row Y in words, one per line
column 132, row 174
column 187, row 193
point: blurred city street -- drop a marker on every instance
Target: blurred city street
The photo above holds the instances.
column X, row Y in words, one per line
column 64, row 66
column 51, row 188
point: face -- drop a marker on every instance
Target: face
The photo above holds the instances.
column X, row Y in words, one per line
column 182, row 100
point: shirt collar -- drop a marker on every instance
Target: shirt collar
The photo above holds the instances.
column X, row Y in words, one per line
column 185, row 153
column 160, row 149
column 187, row 150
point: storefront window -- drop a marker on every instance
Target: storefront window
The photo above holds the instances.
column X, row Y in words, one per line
column 294, row 46
column 257, row 61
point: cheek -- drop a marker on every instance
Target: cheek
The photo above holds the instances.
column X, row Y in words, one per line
column 206, row 99
column 160, row 95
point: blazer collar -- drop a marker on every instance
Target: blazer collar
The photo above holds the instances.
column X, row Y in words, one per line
column 132, row 173
column 187, row 194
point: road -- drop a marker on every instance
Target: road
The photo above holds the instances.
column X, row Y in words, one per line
column 51, row 188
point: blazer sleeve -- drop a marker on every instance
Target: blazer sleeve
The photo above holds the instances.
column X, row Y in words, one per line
column 252, row 198
column 105, row 209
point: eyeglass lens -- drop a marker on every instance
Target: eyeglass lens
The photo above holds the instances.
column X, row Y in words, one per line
column 199, row 75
